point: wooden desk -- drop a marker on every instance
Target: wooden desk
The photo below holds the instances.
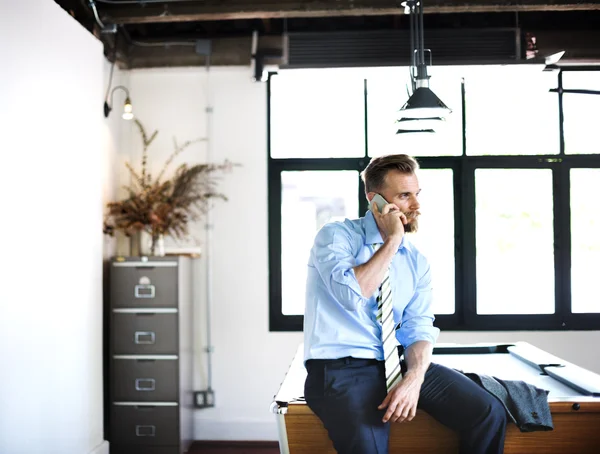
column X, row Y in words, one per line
column 574, row 402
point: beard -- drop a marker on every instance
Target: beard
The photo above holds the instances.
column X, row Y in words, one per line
column 413, row 221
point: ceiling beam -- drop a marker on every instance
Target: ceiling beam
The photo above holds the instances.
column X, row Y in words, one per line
column 232, row 51
column 580, row 47
column 186, row 11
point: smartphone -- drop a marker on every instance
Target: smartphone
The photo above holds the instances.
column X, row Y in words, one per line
column 381, row 202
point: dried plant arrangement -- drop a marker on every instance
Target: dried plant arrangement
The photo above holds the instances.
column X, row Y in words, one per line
column 160, row 206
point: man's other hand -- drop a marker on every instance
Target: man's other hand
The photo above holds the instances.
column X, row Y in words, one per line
column 401, row 401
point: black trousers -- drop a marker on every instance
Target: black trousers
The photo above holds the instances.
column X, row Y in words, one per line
column 345, row 393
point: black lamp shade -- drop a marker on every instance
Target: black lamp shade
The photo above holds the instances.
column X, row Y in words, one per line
column 424, row 104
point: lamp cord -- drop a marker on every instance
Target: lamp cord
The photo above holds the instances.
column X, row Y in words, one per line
column 421, row 34
column 95, row 11
column 417, row 41
column 112, row 67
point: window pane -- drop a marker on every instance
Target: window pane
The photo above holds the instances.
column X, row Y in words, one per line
column 510, row 111
column 387, row 93
column 435, row 238
column 581, row 113
column 585, row 241
column 309, row 199
column 589, row 80
column 317, row 114
column 515, row 241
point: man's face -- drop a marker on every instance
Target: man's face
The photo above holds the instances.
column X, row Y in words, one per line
column 402, row 189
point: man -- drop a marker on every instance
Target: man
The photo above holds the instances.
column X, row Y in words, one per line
column 344, row 352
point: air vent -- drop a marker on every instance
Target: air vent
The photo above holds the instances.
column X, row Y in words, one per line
column 392, row 47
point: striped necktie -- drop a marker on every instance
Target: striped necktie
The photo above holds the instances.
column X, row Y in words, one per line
column 385, row 316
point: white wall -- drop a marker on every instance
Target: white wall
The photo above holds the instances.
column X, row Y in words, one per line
column 53, row 144
column 114, row 155
column 249, row 361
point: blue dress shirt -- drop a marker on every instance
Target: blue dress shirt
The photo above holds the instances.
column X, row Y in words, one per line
column 338, row 320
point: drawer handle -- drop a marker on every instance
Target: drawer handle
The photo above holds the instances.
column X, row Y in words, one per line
column 145, row 431
column 145, row 337
column 145, row 384
column 144, row 291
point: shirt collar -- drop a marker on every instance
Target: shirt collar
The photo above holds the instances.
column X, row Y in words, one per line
column 372, row 234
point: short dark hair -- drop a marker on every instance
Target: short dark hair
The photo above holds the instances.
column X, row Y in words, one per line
column 374, row 174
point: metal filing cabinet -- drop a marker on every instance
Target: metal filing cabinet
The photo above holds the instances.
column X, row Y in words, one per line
column 150, row 357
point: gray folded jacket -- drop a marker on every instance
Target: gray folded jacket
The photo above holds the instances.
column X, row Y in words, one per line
column 526, row 405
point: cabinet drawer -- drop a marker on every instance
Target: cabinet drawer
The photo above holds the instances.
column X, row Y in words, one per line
column 147, row 284
column 145, row 380
column 144, row 334
column 144, row 425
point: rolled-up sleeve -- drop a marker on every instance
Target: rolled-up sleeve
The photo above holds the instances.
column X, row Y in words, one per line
column 334, row 260
column 418, row 317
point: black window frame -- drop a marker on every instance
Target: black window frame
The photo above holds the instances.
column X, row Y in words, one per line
column 464, row 166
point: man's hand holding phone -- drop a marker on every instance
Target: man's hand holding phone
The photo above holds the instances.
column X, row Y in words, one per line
column 388, row 217
column 389, row 220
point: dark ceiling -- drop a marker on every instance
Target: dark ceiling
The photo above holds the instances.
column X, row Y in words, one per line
column 154, row 33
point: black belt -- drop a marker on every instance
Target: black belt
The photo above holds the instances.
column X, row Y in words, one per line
column 345, row 360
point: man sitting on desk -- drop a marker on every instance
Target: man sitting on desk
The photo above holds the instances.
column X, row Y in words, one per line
column 357, row 269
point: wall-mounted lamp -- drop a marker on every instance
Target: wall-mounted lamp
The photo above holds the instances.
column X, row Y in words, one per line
column 423, row 104
column 127, row 107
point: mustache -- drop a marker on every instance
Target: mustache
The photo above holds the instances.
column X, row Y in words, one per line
column 412, row 214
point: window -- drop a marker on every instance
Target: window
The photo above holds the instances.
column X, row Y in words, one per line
column 581, row 112
column 510, row 111
column 326, row 118
column 585, row 241
column 509, row 208
column 514, row 240
column 309, row 199
column 435, row 237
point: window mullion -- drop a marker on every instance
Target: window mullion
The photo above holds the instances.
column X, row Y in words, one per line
column 561, row 115
column 562, row 247
column 466, row 305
